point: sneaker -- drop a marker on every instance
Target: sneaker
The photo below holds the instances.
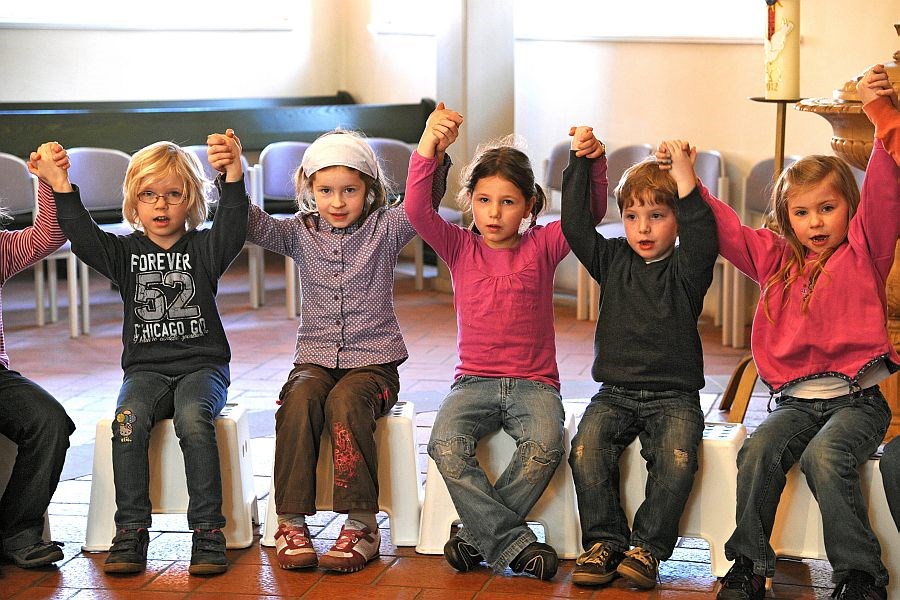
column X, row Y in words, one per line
column 356, row 546
column 639, row 567
column 39, row 554
column 293, row 547
column 208, row 552
column 461, row 555
column 858, row 585
column 536, row 559
column 128, row 553
column 597, row 566
column 741, row 583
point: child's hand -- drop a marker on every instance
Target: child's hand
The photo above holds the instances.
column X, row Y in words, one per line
column 441, row 130
column 585, row 143
column 681, row 156
column 874, row 82
column 224, row 154
column 50, row 163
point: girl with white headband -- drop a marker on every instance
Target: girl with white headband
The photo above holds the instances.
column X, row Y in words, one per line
column 345, row 239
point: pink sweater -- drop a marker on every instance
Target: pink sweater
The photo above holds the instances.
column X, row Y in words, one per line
column 844, row 331
column 887, row 124
column 503, row 297
column 22, row 248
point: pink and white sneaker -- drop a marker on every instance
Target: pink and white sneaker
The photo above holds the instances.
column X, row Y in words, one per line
column 355, row 547
column 293, row 547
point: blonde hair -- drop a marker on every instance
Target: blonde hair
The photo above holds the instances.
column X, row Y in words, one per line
column 159, row 161
column 803, row 175
column 505, row 158
column 378, row 189
column 644, row 182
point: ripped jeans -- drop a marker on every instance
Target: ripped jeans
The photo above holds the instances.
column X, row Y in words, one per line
column 670, row 427
column 493, row 515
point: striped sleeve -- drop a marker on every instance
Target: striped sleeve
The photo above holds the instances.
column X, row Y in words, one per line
column 20, row 249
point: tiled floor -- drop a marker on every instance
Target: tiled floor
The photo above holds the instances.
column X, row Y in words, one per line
column 84, row 374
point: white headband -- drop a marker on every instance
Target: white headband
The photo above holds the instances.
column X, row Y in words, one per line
column 342, row 149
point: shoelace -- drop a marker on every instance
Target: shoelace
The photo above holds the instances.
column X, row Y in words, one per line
column 640, row 554
column 597, row 555
column 297, row 537
column 349, row 537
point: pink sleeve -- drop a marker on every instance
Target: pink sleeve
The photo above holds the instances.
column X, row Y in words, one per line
column 876, row 224
column 886, row 119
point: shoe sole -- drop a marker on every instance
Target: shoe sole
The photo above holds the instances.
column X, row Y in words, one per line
column 44, row 561
column 350, row 569
column 591, row 579
column 290, row 567
column 207, row 569
column 636, row 577
column 124, row 567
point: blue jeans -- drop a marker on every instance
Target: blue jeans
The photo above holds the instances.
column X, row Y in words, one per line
column 831, row 439
column 38, row 424
column 670, row 427
column 193, row 401
column 890, row 475
column 493, row 515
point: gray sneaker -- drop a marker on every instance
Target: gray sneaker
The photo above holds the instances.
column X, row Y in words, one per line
column 40, row 554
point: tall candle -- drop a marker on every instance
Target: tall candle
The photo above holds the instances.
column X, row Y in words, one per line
column 782, row 47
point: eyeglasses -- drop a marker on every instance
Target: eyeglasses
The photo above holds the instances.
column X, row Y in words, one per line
column 171, row 197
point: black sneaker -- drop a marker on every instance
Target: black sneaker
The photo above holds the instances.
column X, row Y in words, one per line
column 128, row 553
column 40, row 554
column 858, row 585
column 461, row 555
column 741, row 583
column 597, row 566
column 536, row 559
column 639, row 567
column 208, row 552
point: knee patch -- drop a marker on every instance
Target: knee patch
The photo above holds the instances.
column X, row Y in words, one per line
column 451, row 456
column 537, row 463
column 123, row 426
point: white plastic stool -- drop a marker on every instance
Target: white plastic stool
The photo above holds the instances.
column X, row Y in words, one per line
column 399, row 488
column 8, row 452
column 798, row 522
column 168, row 487
column 709, row 512
column 556, row 510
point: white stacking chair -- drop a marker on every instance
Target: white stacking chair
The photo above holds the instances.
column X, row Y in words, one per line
column 168, row 486
column 99, row 174
column 19, row 193
column 255, row 266
column 276, row 195
column 399, row 486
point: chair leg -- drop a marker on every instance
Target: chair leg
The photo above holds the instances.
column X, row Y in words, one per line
column 39, row 293
column 73, row 279
column 582, row 296
column 253, row 275
column 728, row 276
column 51, row 289
column 419, row 254
column 85, row 296
column 290, row 287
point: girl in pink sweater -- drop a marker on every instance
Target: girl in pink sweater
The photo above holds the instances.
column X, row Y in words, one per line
column 502, row 270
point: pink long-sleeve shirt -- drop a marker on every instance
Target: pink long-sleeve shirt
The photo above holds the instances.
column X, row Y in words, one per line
column 844, row 331
column 22, row 248
column 503, row 297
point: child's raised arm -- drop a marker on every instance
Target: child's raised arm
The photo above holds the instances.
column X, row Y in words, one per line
column 224, row 153
column 441, row 130
column 50, row 163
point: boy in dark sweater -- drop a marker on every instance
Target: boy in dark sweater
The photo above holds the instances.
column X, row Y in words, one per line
column 648, row 356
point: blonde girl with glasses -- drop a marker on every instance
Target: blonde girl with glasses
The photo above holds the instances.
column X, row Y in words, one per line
column 175, row 354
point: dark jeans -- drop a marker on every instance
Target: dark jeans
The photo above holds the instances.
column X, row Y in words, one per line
column 890, row 475
column 39, row 425
column 670, row 427
column 347, row 401
column 193, row 401
column 830, row 439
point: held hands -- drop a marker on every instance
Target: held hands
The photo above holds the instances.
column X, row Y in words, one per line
column 585, row 143
column 50, row 163
column 224, row 153
column 873, row 83
column 441, row 130
column 679, row 157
